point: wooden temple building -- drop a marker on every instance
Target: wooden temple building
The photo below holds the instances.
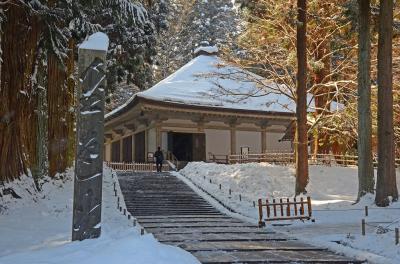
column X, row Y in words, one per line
column 198, row 112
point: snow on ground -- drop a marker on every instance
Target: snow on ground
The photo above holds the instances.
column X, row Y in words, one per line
column 37, row 229
column 333, row 191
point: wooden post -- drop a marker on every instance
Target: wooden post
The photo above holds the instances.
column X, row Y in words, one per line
column 366, row 210
column 260, row 213
column 121, row 149
column 158, row 135
column 363, row 227
column 301, row 206
column 133, row 150
column 233, row 139
column 274, row 205
column 214, row 158
column 240, row 197
column 288, row 207
column 309, row 206
column 227, row 159
column 90, row 137
column 396, row 232
column 230, row 191
column 295, row 206
column 281, row 202
column 142, row 231
column 134, row 222
column 268, row 209
column 263, row 140
column 220, row 186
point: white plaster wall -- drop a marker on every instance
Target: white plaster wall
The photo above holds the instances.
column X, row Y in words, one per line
column 217, row 141
column 273, row 144
column 107, row 154
column 248, row 139
column 151, row 140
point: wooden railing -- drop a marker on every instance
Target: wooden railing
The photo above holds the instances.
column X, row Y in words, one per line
column 284, row 209
column 277, row 158
column 289, row 157
column 218, row 158
column 137, row 167
column 172, row 158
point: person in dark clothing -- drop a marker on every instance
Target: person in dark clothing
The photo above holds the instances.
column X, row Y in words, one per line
column 159, row 159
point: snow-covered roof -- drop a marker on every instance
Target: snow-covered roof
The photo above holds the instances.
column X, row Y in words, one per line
column 205, row 82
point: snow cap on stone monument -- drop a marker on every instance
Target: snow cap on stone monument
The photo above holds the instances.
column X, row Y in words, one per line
column 205, row 49
column 96, row 41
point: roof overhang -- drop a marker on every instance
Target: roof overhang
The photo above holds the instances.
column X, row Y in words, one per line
column 138, row 104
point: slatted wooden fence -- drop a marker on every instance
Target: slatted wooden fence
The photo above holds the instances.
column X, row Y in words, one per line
column 219, row 158
column 289, row 158
column 136, row 167
column 284, row 209
column 271, row 157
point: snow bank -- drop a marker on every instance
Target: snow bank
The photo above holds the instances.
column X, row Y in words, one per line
column 328, row 186
column 333, row 191
column 37, row 229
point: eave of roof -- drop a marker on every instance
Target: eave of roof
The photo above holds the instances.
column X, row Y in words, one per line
column 137, row 99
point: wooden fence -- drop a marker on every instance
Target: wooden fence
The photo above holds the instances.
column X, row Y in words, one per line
column 289, row 158
column 220, row 159
column 284, row 209
column 137, row 167
column 276, row 157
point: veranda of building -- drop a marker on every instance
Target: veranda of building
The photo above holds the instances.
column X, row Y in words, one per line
column 201, row 111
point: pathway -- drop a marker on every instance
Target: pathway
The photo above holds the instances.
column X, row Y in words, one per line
column 176, row 215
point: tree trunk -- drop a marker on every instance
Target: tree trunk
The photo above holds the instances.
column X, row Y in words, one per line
column 18, row 120
column 386, row 180
column 39, row 169
column 60, row 100
column 71, row 102
column 366, row 182
column 301, row 106
column 57, row 127
column 322, row 95
column 61, row 114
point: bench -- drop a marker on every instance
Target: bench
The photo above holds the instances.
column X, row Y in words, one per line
column 284, row 209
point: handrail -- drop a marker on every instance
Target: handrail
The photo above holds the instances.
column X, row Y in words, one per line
column 171, row 157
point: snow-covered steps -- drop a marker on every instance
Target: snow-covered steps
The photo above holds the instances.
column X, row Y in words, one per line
column 176, row 215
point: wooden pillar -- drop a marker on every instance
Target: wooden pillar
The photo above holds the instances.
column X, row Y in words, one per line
column 146, row 144
column 133, row 148
column 233, row 139
column 263, row 140
column 158, row 136
column 121, row 149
